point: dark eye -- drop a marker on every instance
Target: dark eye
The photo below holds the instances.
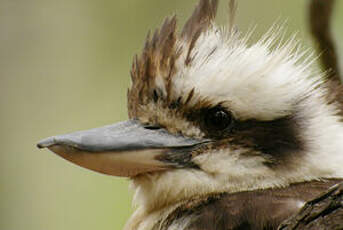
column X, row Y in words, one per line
column 218, row 119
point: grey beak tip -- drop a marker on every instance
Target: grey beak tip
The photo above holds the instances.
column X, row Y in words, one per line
column 45, row 143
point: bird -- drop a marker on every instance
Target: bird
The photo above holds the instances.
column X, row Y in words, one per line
column 222, row 133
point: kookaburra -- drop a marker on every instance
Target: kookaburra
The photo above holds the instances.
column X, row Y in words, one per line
column 222, row 134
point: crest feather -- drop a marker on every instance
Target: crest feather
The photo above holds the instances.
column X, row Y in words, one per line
column 203, row 15
column 156, row 64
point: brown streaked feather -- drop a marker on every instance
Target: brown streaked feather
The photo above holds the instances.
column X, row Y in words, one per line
column 232, row 14
column 254, row 210
column 157, row 59
column 160, row 53
column 189, row 97
column 201, row 18
column 191, row 46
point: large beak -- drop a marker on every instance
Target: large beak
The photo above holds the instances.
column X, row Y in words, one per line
column 124, row 149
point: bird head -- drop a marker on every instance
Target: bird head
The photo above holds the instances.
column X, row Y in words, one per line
column 211, row 113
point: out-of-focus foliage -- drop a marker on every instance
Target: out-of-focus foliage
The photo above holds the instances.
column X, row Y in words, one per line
column 64, row 66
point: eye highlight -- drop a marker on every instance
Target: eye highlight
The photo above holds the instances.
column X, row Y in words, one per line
column 217, row 120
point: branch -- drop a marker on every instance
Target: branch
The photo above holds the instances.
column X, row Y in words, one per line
column 320, row 17
column 324, row 212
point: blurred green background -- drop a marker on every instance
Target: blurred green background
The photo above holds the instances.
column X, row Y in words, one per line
column 64, row 66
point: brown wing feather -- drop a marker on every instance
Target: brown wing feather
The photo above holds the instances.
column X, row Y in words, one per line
column 324, row 212
column 255, row 210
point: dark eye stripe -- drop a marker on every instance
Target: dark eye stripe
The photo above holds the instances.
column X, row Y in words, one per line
column 279, row 139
